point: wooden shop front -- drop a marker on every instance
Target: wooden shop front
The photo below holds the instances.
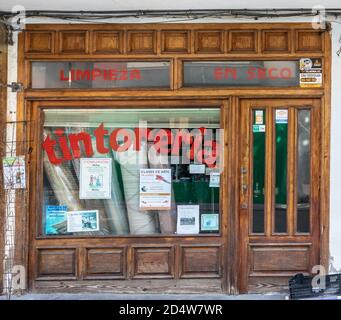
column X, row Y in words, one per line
column 238, row 203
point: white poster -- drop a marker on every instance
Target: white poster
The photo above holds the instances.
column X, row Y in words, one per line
column 281, row 116
column 259, row 117
column 155, row 189
column 14, row 172
column 82, row 221
column 214, row 180
column 197, row 169
column 188, row 219
column 95, row 178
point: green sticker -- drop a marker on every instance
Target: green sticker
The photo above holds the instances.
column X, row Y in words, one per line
column 258, row 128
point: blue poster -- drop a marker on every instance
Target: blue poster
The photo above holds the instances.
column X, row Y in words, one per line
column 55, row 219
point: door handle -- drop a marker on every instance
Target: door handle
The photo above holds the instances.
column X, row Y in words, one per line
column 243, row 179
column 244, row 187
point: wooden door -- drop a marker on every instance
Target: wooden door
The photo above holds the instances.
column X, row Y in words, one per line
column 279, row 191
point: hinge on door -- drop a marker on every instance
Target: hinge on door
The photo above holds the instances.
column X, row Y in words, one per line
column 15, row 86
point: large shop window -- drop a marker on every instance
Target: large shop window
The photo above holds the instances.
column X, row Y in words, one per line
column 241, row 73
column 131, row 171
column 100, row 75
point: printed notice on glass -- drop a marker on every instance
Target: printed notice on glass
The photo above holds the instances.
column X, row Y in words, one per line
column 14, row 172
column 82, row 221
column 197, row 169
column 311, row 72
column 214, row 180
column 282, row 116
column 95, row 178
column 188, row 219
column 209, row 222
column 259, row 117
column 55, row 218
column 155, row 189
column 258, row 128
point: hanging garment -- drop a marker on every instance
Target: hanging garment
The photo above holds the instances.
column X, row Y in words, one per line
column 131, row 161
column 115, row 207
column 90, row 204
column 63, row 183
column 167, row 218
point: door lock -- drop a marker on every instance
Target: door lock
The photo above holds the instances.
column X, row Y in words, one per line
column 244, row 205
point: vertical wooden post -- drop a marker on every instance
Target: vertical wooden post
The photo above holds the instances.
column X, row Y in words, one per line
column 3, row 112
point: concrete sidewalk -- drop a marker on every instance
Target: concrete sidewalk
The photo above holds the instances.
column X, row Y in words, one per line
column 109, row 296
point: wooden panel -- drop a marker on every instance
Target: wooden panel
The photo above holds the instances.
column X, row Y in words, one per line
column 107, row 262
column 73, row 42
column 271, row 266
column 175, row 41
column 177, row 38
column 108, row 42
column 141, row 42
column 161, row 286
column 275, row 41
column 309, row 41
column 153, row 262
column 39, row 42
column 278, row 284
column 56, row 262
column 243, row 41
column 200, row 261
column 279, row 258
column 209, row 42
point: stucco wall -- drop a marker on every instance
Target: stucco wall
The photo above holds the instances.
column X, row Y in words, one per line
column 335, row 174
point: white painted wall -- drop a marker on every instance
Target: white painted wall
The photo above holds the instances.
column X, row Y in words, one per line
column 335, row 195
column 165, row 5
column 335, row 174
column 7, row 264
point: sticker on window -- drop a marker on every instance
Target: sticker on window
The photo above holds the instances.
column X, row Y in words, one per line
column 258, row 128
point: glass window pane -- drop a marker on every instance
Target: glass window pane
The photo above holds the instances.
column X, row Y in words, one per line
column 241, row 73
column 259, row 135
column 87, row 74
column 127, row 171
column 303, row 171
column 281, row 130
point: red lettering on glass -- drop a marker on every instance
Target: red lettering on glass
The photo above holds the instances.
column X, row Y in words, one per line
column 99, row 133
column 100, row 74
column 76, row 138
column 225, row 73
column 48, row 146
column 63, row 144
column 197, row 144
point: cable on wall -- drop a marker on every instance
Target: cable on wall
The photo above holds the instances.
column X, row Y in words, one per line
column 188, row 14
